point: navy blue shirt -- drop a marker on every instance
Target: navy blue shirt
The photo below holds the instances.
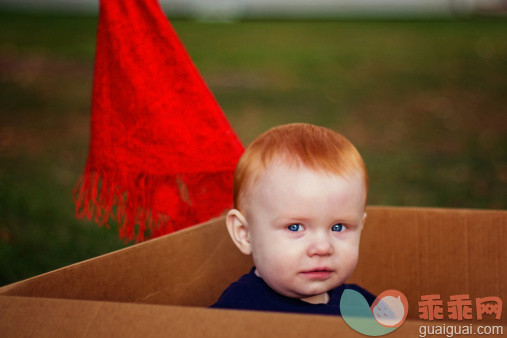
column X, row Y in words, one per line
column 250, row 292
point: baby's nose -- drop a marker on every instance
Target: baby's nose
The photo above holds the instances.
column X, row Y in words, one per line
column 321, row 246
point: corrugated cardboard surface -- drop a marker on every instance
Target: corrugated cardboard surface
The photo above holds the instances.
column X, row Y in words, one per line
column 415, row 250
column 190, row 267
column 423, row 251
column 40, row 317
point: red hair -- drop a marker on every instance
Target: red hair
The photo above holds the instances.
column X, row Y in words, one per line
column 296, row 144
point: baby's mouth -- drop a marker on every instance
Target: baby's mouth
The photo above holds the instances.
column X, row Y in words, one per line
column 318, row 274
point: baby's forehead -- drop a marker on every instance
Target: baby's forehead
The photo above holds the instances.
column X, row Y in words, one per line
column 287, row 172
column 285, row 190
column 290, row 169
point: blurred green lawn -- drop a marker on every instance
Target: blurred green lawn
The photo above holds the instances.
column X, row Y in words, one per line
column 424, row 101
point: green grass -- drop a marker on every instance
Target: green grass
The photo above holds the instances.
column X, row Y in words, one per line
column 424, row 101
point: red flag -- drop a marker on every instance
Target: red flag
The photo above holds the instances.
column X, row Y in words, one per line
column 162, row 153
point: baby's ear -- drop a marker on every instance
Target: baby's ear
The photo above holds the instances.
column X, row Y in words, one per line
column 239, row 231
column 364, row 220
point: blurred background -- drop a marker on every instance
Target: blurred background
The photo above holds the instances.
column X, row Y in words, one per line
column 419, row 86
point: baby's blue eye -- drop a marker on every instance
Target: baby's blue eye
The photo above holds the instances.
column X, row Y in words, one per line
column 295, row 227
column 338, row 227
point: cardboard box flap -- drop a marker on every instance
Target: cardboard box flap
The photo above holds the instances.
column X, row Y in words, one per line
column 189, row 267
column 40, row 317
column 423, row 251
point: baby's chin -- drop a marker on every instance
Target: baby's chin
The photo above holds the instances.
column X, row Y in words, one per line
column 313, row 292
column 302, row 289
column 295, row 292
column 319, row 287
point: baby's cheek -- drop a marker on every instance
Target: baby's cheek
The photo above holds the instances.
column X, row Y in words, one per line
column 348, row 251
column 347, row 259
column 271, row 256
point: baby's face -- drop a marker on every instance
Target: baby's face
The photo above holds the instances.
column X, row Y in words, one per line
column 304, row 229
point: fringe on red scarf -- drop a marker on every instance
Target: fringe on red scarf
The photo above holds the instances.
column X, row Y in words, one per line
column 147, row 205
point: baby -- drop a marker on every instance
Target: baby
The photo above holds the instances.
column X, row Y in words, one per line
column 299, row 193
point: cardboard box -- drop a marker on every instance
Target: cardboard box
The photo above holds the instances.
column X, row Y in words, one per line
column 163, row 286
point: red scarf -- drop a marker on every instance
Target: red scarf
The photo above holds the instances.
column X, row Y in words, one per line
column 162, row 153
